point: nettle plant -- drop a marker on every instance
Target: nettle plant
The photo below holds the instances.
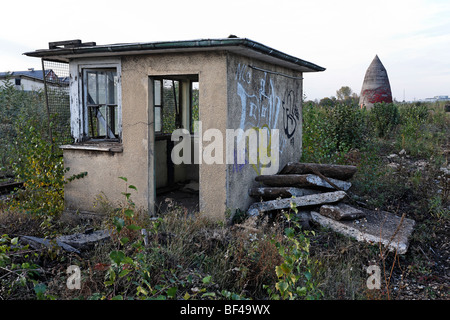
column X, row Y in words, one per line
column 295, row 273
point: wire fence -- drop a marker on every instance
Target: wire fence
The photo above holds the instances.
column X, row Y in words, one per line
column 56, row 91
column 40, row 95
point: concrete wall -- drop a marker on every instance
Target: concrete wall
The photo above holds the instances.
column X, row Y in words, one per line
column 211, row 70
column 135, row 161
column 258, row 98
column 105, row 168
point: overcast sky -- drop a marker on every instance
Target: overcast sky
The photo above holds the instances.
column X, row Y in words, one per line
column 411, row 37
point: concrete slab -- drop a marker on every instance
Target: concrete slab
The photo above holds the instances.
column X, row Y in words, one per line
column 340, row 211
column 271, row 193
column 341, row 172
column 376, row 227
column 302, row 181
column 84, row 241
column 305, row 201
column 37, row 243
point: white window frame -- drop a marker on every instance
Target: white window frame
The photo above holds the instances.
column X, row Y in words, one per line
column 79, row 118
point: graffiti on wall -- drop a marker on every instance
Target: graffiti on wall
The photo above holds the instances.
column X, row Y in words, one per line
column 261, row 105
column 291, row 115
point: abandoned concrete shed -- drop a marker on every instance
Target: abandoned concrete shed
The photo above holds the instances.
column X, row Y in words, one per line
column 126, row 100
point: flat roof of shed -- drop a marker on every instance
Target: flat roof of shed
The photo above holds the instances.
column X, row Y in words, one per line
column 65, row 50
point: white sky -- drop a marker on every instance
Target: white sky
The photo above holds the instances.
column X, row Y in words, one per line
column 411, row 37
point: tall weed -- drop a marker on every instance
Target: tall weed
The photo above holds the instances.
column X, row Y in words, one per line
column 329, row 133
column 384, row 118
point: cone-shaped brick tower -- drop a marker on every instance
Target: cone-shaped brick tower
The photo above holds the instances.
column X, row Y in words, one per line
column 376, row 87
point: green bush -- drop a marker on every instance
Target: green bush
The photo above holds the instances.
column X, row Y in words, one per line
column 16, row 105
column 348, row 127
column 41, row 169
column 417, row 113
column 420, row 131
column 384, row 117
column 329, row 133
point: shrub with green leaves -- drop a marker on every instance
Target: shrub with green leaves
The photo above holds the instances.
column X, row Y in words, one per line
column 331, row 132
column 384, row 118
column 318, row 144
column 415, row 133
column 348, row 127
column 15, row 106
column 41, row 169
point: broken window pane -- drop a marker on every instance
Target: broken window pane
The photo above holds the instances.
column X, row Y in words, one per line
column 101, row 101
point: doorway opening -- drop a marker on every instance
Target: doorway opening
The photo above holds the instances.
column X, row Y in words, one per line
column 176, row 105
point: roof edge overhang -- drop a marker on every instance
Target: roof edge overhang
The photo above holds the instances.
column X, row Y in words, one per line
column 241, row 46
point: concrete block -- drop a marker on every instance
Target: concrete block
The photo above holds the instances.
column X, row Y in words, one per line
column 38, row 243
column 340, row 211
column 305, row 201
column 376, row 227
column 341, row 172
column 270, row 193
column 302, row 181
column 85, row 241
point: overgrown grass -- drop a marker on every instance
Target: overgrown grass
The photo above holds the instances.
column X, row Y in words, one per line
column 186, row 257
column 193, row 257
column 418, row 131
column 401, row 157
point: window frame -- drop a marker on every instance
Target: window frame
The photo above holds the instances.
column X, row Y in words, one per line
column 78, row 93
column 88, row 107
column 160, row 105
column 191, row 104
column 184, row 101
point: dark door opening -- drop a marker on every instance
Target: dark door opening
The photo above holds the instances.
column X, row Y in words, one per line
column 175, row 101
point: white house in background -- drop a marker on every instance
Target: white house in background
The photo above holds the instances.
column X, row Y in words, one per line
column 31, row 80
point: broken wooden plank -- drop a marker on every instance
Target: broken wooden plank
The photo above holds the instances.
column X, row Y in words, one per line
column 340, row 211
column 340, row 172
column 69, row 44
column 302, row 180
column 269, row 193
column 377, row 227
column 304, row 201
column 65, row 43
column 37, row 243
